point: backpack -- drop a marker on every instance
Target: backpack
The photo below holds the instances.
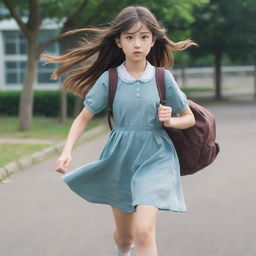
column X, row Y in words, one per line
column 195, row 146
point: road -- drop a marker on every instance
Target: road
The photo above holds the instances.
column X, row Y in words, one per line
column 41, row 216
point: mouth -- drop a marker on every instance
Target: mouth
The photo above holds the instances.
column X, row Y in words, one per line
column 137, row 53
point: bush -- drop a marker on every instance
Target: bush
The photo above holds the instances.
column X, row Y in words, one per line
column 9, row 102
column 46, row 103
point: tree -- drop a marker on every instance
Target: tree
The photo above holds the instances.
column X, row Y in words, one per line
column 77, row 13
column 35, row 11
column 31, row 30
column 32, row 9
column 245, row 37
column 175, row 15
column 217, row 28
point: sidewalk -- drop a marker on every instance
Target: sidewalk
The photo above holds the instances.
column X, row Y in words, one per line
column 54, row 148
column 41, row 216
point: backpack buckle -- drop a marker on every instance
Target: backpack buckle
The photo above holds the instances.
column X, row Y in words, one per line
column 163, row 102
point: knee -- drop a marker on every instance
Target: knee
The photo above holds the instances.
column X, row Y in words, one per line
column 144, row 235
column 123, row 242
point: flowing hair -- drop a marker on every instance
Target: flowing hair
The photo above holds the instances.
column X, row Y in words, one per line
column 80, row 79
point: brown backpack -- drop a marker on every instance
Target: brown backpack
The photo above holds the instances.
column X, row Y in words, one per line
column 195, row 146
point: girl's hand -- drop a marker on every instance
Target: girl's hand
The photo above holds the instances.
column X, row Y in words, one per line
column 164, row 114
column 63, row 162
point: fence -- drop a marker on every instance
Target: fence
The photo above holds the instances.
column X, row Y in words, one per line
column 237, row 81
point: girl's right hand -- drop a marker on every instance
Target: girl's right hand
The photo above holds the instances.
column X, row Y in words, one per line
column 63, row 162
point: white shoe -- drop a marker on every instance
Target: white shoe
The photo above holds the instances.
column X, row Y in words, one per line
column 125, row 253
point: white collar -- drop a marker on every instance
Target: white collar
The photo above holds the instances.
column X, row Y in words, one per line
column 147, row 75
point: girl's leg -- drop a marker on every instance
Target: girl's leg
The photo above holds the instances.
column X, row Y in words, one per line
column 145, row 239
column 125, row 229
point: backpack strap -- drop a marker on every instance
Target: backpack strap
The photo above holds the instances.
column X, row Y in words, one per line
column 113, row 77
column 160, row 81
column 112, row 84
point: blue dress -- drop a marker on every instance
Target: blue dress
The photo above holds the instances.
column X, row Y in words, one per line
column 138, row 164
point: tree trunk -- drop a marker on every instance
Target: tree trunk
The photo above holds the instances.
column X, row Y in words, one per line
column 254, row 77
column 78, row 106
column 63, row 107
column 218, row 76
column 65, row 44
column 26, row 97
column 183, row 76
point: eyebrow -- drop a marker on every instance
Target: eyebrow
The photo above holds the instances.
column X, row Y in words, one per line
column 135, row 32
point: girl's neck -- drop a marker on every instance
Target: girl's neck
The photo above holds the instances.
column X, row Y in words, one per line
column 135, row 67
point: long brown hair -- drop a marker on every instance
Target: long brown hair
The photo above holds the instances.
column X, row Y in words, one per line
column 80, row 79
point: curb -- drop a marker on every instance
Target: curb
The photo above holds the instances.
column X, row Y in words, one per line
column 37, row 157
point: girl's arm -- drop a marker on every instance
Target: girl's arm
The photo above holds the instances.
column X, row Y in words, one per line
column 76, row 130
column 185, row 119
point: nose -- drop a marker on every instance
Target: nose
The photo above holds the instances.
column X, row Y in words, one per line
column 137, row 43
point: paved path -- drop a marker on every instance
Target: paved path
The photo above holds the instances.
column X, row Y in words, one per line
column 40, row 216
column 27, row 141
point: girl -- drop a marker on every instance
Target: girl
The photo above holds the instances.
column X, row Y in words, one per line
column 138, row 172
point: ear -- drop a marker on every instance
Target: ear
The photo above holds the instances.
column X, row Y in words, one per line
column 118, row 42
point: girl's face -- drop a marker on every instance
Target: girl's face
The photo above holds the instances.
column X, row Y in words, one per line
column 136, row 42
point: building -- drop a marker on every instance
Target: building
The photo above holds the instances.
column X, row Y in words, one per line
column 13, row 56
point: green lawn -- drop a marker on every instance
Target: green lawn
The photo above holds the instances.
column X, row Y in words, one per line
column 11, row 152
column 43, row 128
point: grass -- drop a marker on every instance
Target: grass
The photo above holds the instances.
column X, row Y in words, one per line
column 43, row 128
column 12, row 152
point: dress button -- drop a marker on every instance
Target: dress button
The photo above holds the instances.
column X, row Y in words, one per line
column 138, row 89
column 137, row 94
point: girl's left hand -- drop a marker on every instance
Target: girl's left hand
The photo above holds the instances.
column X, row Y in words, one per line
column 164, row 114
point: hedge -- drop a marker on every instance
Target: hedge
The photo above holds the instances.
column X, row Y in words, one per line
column 46, row 103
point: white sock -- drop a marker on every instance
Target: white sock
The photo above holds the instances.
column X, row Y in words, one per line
column 124, row 253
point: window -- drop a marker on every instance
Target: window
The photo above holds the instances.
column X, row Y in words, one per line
column 14, row 43
column 45, row 72
column 14, row 72
column 46, row 35
column 15, row 57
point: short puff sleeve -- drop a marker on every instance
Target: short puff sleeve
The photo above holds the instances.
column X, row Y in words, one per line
column 96, row 98
column 175, row 98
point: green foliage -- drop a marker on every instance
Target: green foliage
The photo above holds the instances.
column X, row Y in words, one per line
column 221, row 27
column 175, row 15
column 46, row 103
column 21, row 7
